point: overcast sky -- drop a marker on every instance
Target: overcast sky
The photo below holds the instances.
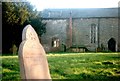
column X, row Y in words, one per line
column 43, row 4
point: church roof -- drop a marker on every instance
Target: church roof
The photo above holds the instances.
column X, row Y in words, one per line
column 80, row 13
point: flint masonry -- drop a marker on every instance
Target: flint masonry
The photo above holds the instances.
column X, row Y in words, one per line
column 80, row 30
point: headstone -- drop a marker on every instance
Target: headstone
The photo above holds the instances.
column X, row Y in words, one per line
column 32, row 57
column 14, row 49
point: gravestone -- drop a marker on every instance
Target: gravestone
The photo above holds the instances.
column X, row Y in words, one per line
column 32, row 57
column 14, row 49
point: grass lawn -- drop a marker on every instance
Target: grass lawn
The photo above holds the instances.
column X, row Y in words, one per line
column 90, row 66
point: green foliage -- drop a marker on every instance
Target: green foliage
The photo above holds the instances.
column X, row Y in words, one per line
column 36, row 22
column 15, row 13
column 84, row 66
column 21, row 13
column 15, row 16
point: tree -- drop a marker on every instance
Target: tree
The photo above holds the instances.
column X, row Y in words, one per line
column 39, row 27
column 15, row 16
column 15, row 13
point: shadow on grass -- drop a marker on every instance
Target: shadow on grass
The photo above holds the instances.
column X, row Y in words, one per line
column 89, row 77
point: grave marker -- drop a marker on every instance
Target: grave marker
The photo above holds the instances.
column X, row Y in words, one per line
column 32, row 57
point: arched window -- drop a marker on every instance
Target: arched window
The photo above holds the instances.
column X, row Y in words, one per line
column 93, row 33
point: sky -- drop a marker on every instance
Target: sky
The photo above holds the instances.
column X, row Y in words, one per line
column 44, row 4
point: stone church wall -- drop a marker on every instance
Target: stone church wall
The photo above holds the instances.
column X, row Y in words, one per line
column 54, row 29
column 108, row 30
column 81, row 33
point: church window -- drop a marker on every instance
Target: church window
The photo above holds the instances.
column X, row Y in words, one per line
column 93, row 33
column 55, row 42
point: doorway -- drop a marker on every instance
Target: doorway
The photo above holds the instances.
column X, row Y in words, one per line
column 112, row 45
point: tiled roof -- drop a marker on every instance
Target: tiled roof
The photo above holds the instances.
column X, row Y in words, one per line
column 80, row 13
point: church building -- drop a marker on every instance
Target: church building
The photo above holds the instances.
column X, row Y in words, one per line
column 81, row 30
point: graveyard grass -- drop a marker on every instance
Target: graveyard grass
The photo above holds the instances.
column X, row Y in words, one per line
column 84, row 66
